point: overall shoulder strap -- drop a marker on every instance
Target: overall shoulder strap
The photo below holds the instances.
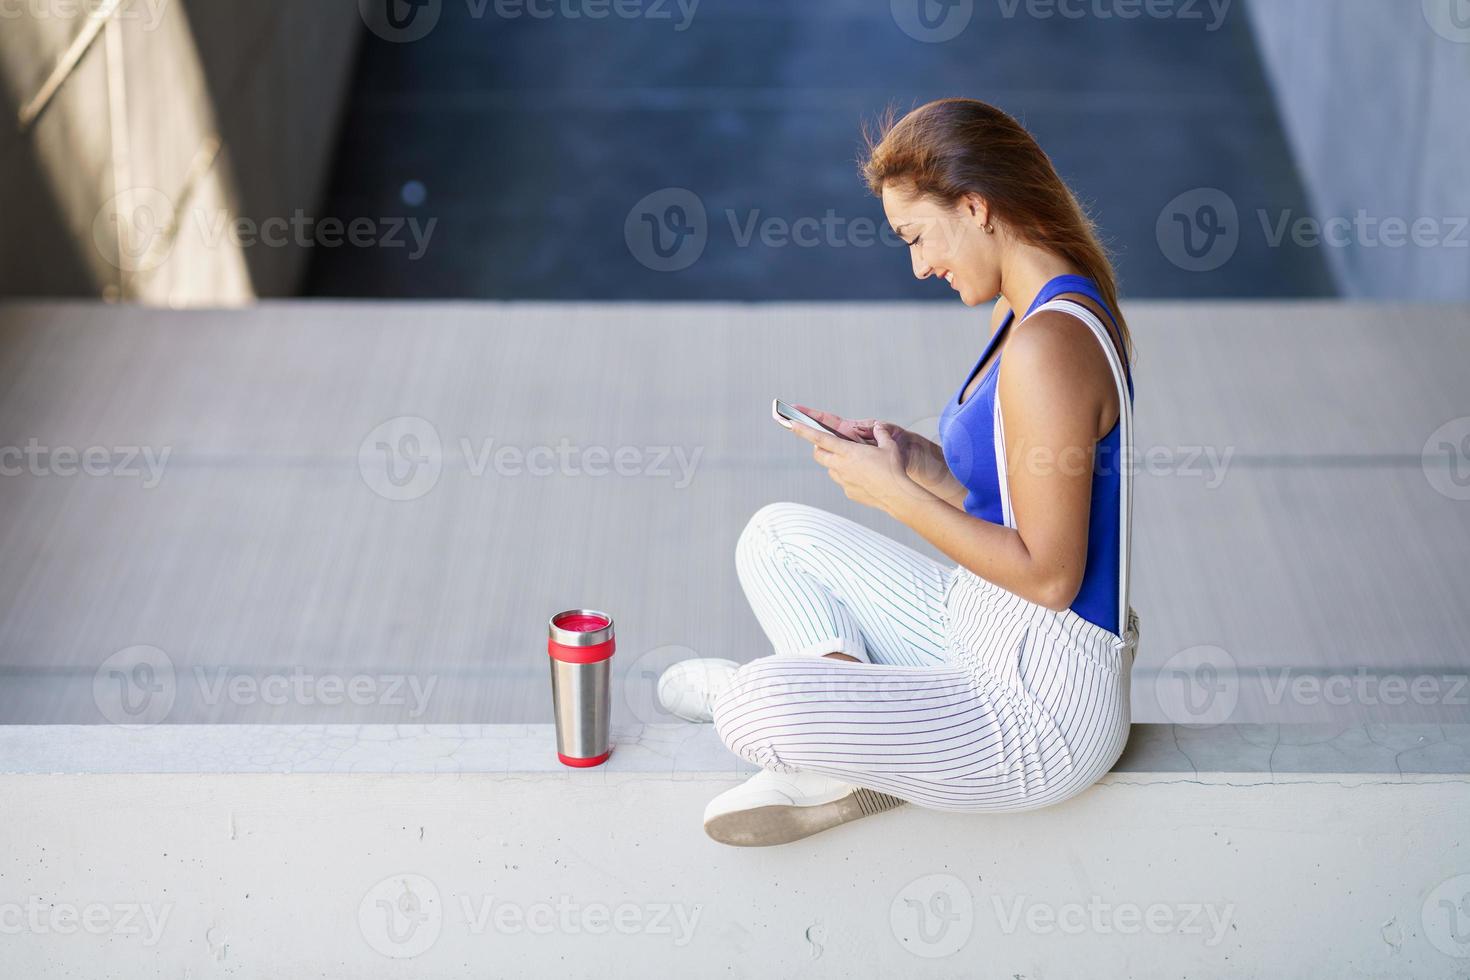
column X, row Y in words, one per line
column 1125, row 455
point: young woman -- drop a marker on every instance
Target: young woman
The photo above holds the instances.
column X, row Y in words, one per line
column 1000, row 683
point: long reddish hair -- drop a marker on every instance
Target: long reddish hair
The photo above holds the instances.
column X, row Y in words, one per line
column 953, row 147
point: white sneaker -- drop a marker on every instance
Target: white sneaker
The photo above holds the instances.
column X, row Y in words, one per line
column 689, row 688
column 781, row 807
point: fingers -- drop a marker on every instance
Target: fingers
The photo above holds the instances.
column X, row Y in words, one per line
column 816, row 437
column 859, row 429
column 827, row 418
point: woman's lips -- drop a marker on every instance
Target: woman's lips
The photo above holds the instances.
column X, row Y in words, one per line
column 949, row 278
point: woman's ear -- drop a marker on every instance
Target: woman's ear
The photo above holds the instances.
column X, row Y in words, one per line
column 976, row 209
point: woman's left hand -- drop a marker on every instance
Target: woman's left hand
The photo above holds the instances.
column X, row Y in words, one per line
column 874, row 475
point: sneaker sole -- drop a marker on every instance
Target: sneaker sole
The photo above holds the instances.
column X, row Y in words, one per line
column 764, row 826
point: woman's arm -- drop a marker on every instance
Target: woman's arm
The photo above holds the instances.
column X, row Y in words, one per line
column 925, row 464
column 1054, row 390
column 923, row 459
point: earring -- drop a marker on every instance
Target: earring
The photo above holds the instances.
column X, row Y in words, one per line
column 989, row 229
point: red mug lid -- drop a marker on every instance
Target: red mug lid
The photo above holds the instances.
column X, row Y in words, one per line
column 580, row 627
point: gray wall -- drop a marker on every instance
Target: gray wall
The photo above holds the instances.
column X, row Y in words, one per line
column 1373, row 94
column 133, row 139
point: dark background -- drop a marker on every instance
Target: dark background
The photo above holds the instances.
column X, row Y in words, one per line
column 530, row 139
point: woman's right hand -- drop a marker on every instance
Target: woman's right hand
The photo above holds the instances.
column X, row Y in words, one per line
column 923, row 459
column 859, row 429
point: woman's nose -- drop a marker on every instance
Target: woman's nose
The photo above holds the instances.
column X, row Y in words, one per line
column 922, row 269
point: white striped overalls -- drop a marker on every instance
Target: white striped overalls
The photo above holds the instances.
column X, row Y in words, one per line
column 975, row 698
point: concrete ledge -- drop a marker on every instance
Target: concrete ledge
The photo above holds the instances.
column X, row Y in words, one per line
column 466, row 851
column 1404, row 751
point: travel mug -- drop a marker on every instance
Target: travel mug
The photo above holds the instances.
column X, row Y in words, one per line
column 581, row 645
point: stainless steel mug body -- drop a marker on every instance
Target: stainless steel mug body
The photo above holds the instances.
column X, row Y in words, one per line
column 581, row 645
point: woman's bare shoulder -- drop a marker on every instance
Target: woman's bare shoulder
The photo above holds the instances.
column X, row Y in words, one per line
column 1057, row 352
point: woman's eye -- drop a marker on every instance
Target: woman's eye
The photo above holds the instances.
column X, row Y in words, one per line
column 916, row 241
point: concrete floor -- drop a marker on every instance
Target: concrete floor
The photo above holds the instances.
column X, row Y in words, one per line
column 535, row 138
column 272, row 545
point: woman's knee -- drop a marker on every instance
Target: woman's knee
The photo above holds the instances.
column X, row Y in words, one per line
column 747, row 715
column 777, row 524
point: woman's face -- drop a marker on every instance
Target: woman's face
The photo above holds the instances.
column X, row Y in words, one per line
column 949, row 243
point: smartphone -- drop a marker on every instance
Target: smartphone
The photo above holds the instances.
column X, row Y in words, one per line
column 785, row 414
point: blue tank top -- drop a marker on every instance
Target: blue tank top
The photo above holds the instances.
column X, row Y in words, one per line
column 967, row 436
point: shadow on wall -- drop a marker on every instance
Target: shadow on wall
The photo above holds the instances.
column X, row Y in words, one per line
column 157, row 151
column 1376, row 119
